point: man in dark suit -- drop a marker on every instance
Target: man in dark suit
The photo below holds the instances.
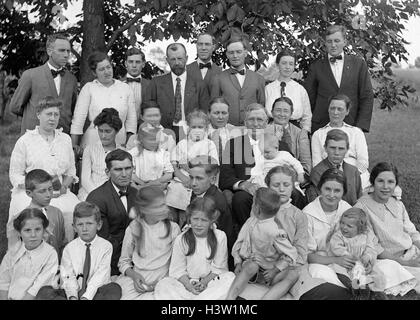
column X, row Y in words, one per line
column 134, row 63
column 238, row 160
column 238, row 85
column 50, row 79
column 115, row 198
column 204, row 68
column 339, row 73
column 178, row 92
column 336, row 146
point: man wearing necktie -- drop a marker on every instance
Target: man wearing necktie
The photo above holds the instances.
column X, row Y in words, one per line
column 339, row 73
column 50, row 79
column 134, row 63
column 238, row 85
column 115, row 198
column 204, row 68
column 179, row 92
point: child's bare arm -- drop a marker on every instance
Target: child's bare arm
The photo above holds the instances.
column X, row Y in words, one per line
column 185, row 280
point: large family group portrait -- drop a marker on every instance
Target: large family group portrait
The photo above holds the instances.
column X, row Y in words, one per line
column 206, row 182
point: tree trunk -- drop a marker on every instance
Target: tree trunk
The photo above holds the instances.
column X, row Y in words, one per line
column 93, row 35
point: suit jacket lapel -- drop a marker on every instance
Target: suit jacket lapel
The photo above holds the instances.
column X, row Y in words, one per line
column 346, row 70
column 189, row 91
column 210, row 191
column 248, row 79
column 63, row 84
column 330, row 73
column 234, row 80
column 50, row 80
column 167, row 88
column 116, row 198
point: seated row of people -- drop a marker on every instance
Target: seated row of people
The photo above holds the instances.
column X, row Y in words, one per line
column 158, row 260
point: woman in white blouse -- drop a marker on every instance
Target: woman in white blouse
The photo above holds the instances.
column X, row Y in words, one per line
column 284, row 85
column 357, row 155
column 103, row 92
column 323, row 215
column 108, row 123
column 49, row 149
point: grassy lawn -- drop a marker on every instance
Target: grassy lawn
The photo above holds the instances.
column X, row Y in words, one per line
column 394, row 137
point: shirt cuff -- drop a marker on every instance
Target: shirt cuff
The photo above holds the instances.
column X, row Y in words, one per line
column 281, row 265
column 236, row 185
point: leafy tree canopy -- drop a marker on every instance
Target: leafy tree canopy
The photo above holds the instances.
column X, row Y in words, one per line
column 375, row 34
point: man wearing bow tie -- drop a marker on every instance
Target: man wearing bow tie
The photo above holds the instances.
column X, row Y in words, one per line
column 339, row 73
column 238, row 85
column 134, row 63
column 115, row 198
column 50, row 79
column 204, row 68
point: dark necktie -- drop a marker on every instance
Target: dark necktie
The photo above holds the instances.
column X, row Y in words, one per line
column 205, row 65
column 60, row 72
column 193, row 196
column 334, row 59
column 178, row 101
column 86, row 270
column 282, row 86
column 241, row 72
column 138, row 80
column 123, row 193
column 286, row 138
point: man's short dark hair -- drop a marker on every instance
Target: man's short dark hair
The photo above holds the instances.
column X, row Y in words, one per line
column 53, row 37
column 35, row 177
column 117, row 155
column 134, row 51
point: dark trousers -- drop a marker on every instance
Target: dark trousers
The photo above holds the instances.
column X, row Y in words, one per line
column 327, row 291
column 110, row 291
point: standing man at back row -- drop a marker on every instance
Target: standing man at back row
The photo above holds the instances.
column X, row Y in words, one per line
column 339, row 73
column 134, row 63
column 50, row 79
column 204, row 68
column 238, row 85
column 177, row 93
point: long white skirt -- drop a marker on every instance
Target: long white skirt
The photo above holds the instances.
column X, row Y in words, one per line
column 66, row 203
column 324, row 272
column 151, row 277
column 217, row 289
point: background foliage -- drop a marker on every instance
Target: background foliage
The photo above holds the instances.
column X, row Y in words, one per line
column 375, row 31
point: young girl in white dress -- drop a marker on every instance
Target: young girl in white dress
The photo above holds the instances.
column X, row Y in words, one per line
column 31, row 263
column 147, row 245
column 198, row 269
column 354, row 238
column 152, row 165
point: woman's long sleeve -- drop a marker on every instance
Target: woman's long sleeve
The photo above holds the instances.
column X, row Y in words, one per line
column 81, row 110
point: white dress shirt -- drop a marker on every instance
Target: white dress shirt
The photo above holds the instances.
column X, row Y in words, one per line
column 203, row 70
column 241, row 78
column 57, row 79
column 136, row 87
column 337, row 68
column 73, row 261
column 183, row 78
